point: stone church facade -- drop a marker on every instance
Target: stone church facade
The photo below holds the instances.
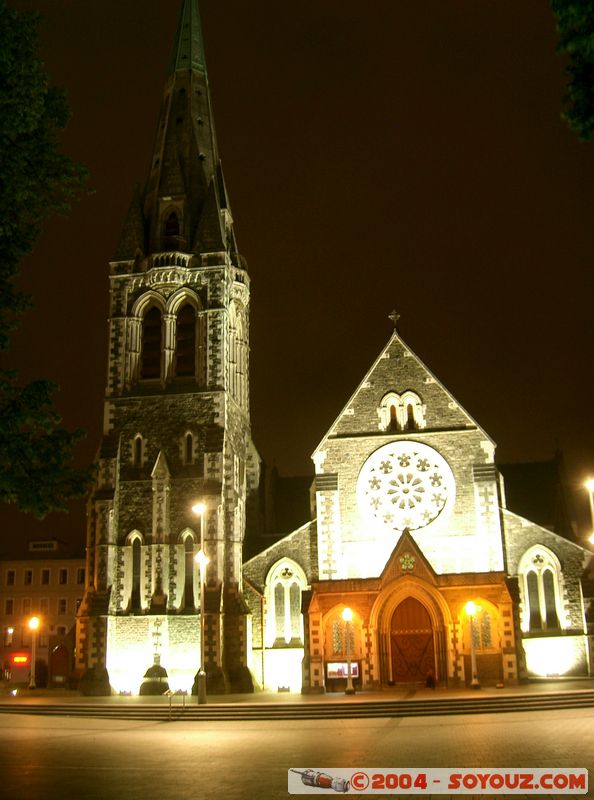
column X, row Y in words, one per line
column 410, row 527
column 408, row 513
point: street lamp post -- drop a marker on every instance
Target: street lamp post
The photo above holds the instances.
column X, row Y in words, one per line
column 347, row 615
column 471, row 610
column 202, row 560
column 33, row 627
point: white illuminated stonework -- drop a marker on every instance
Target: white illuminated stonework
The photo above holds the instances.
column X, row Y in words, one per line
column 405, row 484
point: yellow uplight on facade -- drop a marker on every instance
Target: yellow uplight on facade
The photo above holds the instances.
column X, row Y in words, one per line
column 347, row 614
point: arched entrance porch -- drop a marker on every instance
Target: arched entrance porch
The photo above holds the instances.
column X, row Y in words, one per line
column 414, row 626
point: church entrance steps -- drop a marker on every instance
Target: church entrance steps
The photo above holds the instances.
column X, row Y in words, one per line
column 360, row 706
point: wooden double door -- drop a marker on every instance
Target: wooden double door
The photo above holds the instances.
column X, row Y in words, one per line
column 412, row 643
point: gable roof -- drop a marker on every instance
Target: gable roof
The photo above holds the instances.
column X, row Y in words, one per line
column 399, row 369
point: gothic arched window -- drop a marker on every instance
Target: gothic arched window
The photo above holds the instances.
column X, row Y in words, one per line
column 410, row 418
column 393, row 424
column 189, row 449
column 482, row 630
column 150, row 359
column 338, row 633
column 135, row 544
column 401, row 413
column 172, row 225
column 540, row 583
column 188, row 602
column 284, row 586
column 137, row 451
column 185, row 342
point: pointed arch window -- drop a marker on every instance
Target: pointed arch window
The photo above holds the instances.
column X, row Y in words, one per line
column 137, row 451
column 188, row 602
column 172, row 225
column 284, row 587
column 135, row 545
column 410, row 417
column 404, row 412
column 189, row 449
column 150, row 362
column 339, row 637
column 393, row 423
column 541, row 578
column 185, row 342
column 482, row 632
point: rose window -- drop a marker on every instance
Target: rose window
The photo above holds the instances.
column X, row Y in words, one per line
column 405, row 485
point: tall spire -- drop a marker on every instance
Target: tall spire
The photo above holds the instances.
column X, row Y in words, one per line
column 189, row 44
column 184, row 195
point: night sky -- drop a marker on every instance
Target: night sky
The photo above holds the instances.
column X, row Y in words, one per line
column 378, row 155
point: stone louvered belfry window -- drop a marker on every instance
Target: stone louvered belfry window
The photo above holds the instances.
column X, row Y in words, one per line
column 150, row 357
column 185, row 342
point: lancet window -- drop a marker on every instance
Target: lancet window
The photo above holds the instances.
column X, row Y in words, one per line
column 541, row 577
column 150, row 358
column 185, row 342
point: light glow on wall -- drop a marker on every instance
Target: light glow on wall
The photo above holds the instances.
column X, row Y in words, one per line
column 282, row 669
column 131, row 649
column 555, row 656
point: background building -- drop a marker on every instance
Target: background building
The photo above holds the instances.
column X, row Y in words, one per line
column 45, row 579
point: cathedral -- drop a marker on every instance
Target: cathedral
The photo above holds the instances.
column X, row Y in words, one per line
column 411, row 568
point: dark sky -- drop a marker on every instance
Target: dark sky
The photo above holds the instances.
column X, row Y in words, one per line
column 378, row 155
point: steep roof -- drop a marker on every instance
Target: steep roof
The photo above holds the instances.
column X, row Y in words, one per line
column 185, row 177
column 398, row 369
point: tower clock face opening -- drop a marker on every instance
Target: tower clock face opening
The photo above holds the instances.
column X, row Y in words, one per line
column 405, row 484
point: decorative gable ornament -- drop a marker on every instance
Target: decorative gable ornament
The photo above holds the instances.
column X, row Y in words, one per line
column 407, row 562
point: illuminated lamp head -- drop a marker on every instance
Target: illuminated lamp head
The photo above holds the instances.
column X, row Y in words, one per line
column 470, row 608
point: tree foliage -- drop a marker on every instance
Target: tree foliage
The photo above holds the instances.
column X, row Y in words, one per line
column 36, row 181
column 575, row 25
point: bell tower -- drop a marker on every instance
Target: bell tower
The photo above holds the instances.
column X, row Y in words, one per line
column 176, row 426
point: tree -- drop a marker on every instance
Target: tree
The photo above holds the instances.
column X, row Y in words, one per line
column 575, row 24
column 36, row 181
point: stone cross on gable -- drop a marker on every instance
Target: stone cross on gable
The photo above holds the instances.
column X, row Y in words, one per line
column 394, row 316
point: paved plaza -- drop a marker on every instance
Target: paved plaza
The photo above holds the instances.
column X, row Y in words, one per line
column 46, row 758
